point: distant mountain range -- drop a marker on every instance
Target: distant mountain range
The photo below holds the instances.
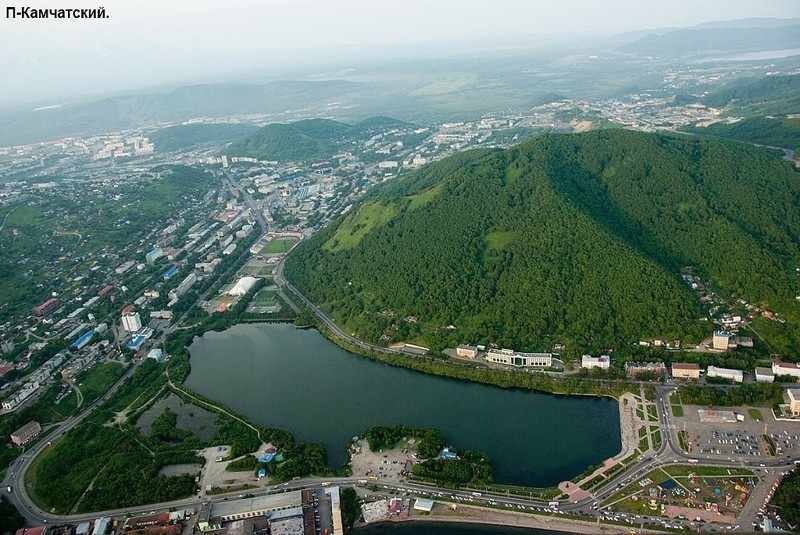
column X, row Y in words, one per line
column 311, row 139
column 579, row 239
column 133, row 111
column 726, row 37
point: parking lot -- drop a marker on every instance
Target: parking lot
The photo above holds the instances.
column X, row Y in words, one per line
column 740, row 440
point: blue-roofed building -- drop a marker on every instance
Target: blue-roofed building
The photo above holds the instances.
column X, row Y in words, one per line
column 170, row 272
column 136, row 342
column 81, row 342
column 447, row 454
column 262, row 473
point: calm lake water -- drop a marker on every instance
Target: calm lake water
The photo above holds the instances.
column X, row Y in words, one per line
column 297, row 380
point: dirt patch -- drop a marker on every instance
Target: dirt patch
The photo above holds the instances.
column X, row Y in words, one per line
column 385, row 465
column 190, row 417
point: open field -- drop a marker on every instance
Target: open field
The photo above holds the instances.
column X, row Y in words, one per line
column 278, row 245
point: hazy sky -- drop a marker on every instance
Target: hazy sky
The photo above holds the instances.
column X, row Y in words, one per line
column 148, row 42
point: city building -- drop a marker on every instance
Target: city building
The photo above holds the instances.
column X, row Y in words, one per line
column 685, row 370
column 520, row 360
column 131, row 322
column 786, row 368
column 156, row 354
column 26, row 433
column 47, row 307
column 634, row 369
column 764, row 375
column 154, row 255
column 794, row 400
column 736, row 376
column 467, row 351
column 720, row 340
column 183, row 287
column 589, row 362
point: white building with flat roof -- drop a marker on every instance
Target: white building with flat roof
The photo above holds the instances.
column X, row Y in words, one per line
column 764, row 375
column 510, row 357
column 736, row 376
column 786, row 368
column 589, row 362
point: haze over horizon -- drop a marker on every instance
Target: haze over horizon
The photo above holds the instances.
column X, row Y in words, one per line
column 148, row 44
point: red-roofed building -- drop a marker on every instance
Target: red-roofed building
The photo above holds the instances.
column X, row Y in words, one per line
column 5, row 369
column 31, row 531
column 127, row 309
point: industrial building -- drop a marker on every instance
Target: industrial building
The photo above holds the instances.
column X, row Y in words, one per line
column 212, row 515
column 26, row 433
column 685, row 370
column 736, row 376
column 467, row 351
column 131, row 322
column 589, row 362
column 520, row 360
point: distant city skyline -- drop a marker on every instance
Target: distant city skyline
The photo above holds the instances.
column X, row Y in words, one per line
column 149, row 43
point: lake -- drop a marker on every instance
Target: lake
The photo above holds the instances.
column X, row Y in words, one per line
column 297, row 380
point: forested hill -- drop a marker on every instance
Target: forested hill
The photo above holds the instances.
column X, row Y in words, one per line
column 187, row 135
column 310, row 139
column 578, row 239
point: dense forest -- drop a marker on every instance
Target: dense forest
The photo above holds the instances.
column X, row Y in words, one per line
column 310, row 139
column 186, row 135
column 781, row 132
column 787, row 497
column 776, row 94
column 576, row 239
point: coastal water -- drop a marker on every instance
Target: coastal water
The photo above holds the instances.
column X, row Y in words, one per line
column 297, row 380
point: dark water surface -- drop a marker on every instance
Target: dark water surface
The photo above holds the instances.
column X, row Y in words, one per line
column 297, row 380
